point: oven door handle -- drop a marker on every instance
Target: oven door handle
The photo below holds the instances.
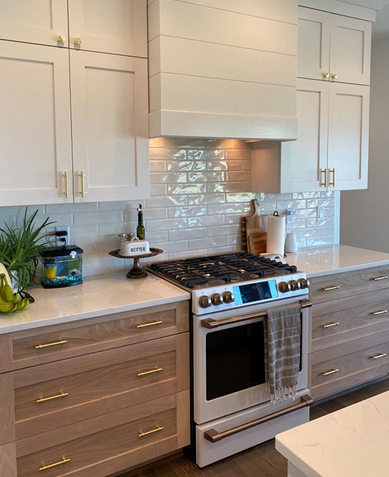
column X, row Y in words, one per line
column 213, row 436
column 211, row 324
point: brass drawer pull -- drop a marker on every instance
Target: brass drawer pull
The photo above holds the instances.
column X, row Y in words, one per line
column 61, row 462
column 152, row 371
column 152, row 323
column 377, row 279
column 330, row 325
column 50, row 398
column 147, row 433
column 378, row 356
column 334, row 287
column 331, row 371
column 380, row 312
column 48, row 345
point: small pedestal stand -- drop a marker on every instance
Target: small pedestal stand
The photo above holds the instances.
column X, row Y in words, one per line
column 136, row 271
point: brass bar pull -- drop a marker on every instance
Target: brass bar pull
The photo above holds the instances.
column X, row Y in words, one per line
column 152, row 371
column 147, row 433
column 82, row 176
column 214, row 436
column 56, row 464
column 380, row 312
column 378, row 356
column 330, row 325
column 325, row 183
column 66, row 191
column 331, row 371
column 51, row 398
column 152, row 323
column 48, row 345
column 333, row 177
column 334, row 287
column 378, row 279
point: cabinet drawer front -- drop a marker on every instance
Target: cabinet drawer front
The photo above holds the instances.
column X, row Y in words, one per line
column 57, row 342
column 348, row 319
column 342, row 285
column 62, row 393
column 119, row 438
column 348, row 365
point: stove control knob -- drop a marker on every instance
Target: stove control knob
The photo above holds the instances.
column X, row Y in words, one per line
column 284, row 287
column 295, row 285
column 304, row 283
column 228, row 297
column 205, row 301
column 217, row 299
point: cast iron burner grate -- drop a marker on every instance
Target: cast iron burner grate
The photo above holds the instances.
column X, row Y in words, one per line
column 201, row 272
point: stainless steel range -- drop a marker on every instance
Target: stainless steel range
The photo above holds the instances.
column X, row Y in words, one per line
column 231, row 294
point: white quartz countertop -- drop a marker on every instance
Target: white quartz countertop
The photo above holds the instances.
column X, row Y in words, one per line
column 322, row 261
column 352, row 442
column 97, row 296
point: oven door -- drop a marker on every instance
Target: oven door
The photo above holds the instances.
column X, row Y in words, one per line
column 229, row 362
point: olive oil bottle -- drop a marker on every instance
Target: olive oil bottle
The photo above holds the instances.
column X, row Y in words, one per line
column 140, row 230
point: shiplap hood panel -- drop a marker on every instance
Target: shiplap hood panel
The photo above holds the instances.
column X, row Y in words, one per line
column 223, row 68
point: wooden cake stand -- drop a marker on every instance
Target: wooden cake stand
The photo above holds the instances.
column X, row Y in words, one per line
column 136, row 271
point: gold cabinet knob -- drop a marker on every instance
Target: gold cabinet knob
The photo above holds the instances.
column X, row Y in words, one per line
column 334, row 76
column 326, row 75
column 61, row 39
column 77, row 41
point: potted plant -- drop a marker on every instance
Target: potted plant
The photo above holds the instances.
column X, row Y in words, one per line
column 20, row 249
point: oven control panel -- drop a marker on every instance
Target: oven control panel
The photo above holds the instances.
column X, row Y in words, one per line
column 229, row 296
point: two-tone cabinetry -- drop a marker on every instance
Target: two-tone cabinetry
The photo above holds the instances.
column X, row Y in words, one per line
column 95, row 397
column 331, row 152
column 73, row 85
column 350, row 330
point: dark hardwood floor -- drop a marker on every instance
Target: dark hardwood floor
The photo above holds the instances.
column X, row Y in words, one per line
column 259, row 461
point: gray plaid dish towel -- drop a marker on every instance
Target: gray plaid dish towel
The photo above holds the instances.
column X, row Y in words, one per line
column 282, row 330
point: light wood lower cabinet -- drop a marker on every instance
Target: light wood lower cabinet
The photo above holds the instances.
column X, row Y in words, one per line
column 349, row 329
column 114, row 395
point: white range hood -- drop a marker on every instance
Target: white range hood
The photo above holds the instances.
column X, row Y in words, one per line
column 223, row 68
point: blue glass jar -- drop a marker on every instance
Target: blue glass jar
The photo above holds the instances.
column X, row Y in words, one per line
column 61, row 266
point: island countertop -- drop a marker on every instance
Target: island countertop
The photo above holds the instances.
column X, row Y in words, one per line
column 97, row 296
column 322, row 261
column 352, row 442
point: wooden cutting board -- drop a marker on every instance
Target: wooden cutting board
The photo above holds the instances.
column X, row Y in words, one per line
column 255, row 236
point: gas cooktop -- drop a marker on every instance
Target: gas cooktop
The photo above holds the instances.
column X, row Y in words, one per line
column 209, row 271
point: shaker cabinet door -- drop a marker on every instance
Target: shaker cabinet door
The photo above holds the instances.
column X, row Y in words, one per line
column 35, row 133
column 110, row 127
column 109, row 26
column 313, row 44
column 34, row 21
column 350, row 50
column 304, row 161
column 348, row 141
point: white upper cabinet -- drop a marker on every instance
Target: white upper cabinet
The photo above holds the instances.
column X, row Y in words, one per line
column 223, row 69
column 333, row 47
column 348, row 140
column 35, row 134
column 110, row 127
column 109, row 26
column 34, row 21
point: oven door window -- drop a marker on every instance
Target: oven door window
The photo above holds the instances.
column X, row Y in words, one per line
column 235, row 359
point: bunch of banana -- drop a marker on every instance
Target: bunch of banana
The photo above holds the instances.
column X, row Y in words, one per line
column 10, row 301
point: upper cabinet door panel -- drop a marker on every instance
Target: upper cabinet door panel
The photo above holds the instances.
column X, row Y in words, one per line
column 350, row 50
column 109, row 26
column 313, row 43
column 37, row 21
column 110, row 126
column 304, row 160
column 348, row 144
column 35, row 138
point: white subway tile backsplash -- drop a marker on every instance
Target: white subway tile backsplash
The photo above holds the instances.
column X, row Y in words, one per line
column 199, row 191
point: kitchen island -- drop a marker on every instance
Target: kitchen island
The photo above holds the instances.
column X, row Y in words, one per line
column 352, row 442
